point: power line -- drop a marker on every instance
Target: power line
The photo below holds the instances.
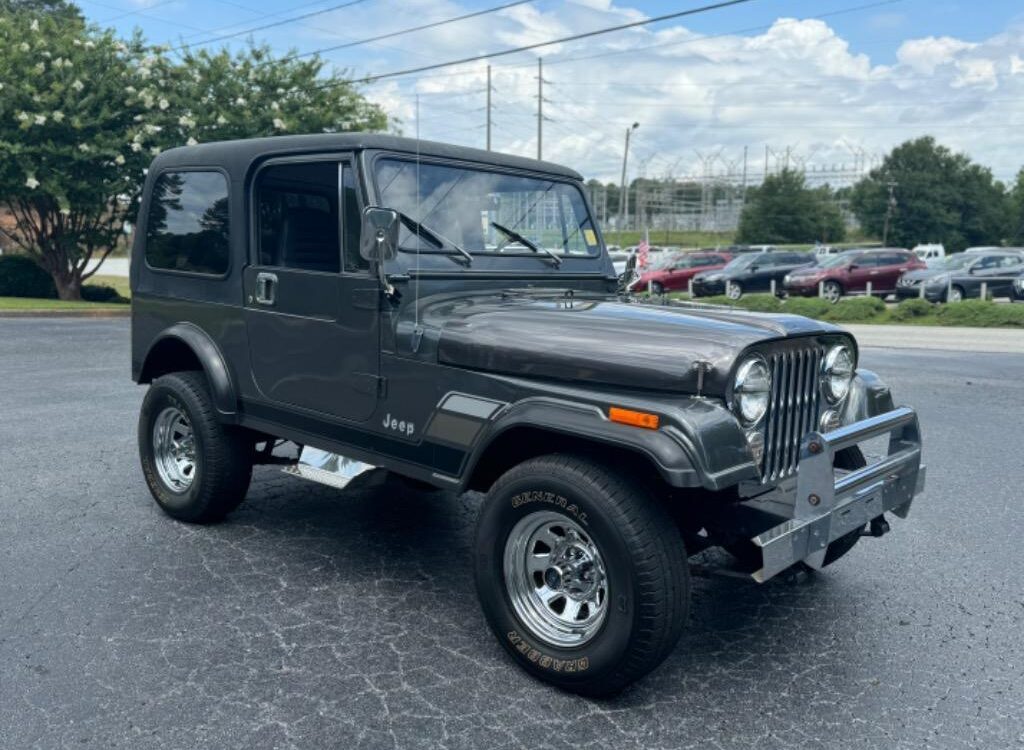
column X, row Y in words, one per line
column 537, row 45
column 410, row 30
column 271, row 25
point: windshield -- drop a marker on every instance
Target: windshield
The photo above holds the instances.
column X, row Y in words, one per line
column 956, row 262
column 464, row 205
column 741, row 262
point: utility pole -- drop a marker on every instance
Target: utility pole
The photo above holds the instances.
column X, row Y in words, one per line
column 890, row 208
column 622, row 189
column 540, row 108
column 488, row 107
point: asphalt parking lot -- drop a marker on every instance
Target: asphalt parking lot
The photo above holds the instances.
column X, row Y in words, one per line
column 317, row 618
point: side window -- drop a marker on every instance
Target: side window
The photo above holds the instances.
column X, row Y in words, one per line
column 352, row 221
column 868, row 260
column 297, row 216
column 187, row 225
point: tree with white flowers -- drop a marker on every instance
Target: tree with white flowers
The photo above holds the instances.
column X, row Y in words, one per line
column 83, row 113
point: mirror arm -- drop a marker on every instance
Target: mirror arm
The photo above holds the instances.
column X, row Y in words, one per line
column 385, row 282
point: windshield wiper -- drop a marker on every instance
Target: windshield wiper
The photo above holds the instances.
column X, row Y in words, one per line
column 516, row 237
column 432, row 236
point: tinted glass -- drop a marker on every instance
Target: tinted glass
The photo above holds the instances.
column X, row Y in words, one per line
column 463, row 205
column 187, row 226
column 297, row 216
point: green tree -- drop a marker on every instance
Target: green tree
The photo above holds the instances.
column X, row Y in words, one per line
column 82, row 114
column 783, row 209
column 940, row 196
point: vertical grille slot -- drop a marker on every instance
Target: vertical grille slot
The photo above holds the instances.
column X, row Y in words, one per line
column 792, row 408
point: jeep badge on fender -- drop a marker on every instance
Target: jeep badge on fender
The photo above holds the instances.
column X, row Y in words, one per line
column 452, row 316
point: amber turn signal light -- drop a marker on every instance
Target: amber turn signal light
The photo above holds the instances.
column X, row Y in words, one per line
column 633, row 418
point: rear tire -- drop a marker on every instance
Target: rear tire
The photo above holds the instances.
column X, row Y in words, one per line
column 581, row 575
column 197, row 469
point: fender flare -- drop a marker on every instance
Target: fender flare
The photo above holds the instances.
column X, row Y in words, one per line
column 586, row 421
column 222, row 387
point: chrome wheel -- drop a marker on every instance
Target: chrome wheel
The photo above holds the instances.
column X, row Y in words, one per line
column 733, row 291
column 833, row 292
column 174, row 449
column 555, row 579
column 955, row 294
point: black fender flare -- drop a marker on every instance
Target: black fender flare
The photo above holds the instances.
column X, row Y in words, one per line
column 222, row 387
column 587, row 421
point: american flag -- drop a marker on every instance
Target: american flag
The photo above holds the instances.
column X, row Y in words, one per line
column 642, row 251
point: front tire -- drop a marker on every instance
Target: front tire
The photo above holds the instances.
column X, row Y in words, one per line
column 833, row 291
column 734, row 290
column 582, row 576
column 955, row 294
column 197, row 469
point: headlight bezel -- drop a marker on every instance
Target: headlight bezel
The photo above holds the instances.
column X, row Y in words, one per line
column 740, row 389
column 828, row 364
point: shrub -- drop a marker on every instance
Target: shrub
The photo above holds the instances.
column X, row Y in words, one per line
column 856, row 309
column 760, row 303
column 21, row 277
column 982, row 313
column 913, row 309
column 101, row 293
column 810, row 307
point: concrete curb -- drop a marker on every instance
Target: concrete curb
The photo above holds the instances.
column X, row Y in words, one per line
column 941, row 338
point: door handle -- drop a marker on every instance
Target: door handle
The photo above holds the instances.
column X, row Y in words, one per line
column 266, row 288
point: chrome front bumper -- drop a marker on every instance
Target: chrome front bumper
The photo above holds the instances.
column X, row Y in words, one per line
column 829, row 504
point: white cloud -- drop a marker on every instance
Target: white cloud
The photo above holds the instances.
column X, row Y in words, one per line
column 796, row 85
column 925, row 55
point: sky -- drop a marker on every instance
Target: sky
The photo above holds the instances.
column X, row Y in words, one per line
column 827, row 85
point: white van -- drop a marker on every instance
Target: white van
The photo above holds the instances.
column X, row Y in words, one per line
column 932, row 254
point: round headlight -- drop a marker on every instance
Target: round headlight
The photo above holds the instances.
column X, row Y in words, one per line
column 751, row 390
column 837, row 373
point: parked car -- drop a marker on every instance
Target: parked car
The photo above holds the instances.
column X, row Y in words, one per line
column 679, row 268
column 961, row 277
column 752, row 272
column 932, row 254
column 1017, row 289
column 850, row 272
column 293, row 295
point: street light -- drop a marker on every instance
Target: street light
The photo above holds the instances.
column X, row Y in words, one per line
column 623, row 193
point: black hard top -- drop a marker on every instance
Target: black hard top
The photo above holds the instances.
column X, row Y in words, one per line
column 238, row 155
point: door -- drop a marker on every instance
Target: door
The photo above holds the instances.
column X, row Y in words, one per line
column 311, row 305
column 890, row 267
column 862, row 270
column 998, row 272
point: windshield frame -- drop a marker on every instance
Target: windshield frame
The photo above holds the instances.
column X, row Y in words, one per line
column 372, row 188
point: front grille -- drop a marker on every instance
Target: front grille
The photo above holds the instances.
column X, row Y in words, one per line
column 793, row 408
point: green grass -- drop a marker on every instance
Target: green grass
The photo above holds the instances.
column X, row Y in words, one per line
column 31, row 304
column 969, row 313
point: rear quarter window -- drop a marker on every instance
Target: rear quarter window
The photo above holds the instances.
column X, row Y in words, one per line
column 187, row 224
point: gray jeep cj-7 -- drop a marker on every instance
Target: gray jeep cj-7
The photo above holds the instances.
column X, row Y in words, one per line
column 452, row 316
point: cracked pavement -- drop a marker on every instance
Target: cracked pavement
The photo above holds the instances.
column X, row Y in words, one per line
column 319, row 618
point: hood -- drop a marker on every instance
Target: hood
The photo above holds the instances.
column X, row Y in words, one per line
column 604, row 341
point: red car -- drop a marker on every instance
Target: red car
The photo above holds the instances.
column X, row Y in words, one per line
column 849, row 272
column 676, row 271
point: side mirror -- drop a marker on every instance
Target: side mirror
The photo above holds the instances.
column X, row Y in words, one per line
column 380, row 234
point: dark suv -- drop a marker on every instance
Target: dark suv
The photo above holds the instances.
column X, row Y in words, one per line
column 750, row 272
column 348, row 303
column 962, row 276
